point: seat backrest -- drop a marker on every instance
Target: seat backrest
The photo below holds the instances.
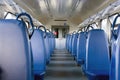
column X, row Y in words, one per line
column 66, row 39
column 38, row 50
column 15, row 54
column 74, row 44
column 47, row 47
column 81, row 47
column 70, row 43
column 97, row 52
column 53, row 42
column 50, row 42
column 115, row 59
column 115, row 52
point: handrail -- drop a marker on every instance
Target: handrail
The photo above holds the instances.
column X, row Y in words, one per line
column 41, row 26
column 30, row 19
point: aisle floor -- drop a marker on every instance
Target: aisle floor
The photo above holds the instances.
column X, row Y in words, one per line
column 63, row 67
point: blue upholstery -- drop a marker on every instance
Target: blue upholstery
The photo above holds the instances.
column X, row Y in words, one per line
column 113, row 64
column 51, row 42
column 38, row 50
column 74, row 44
column 69, row 45
column 15, row 54
column 69, row 37
column 81, row 48
column 47, row 47
column 68, row 42
column 66, row 37
column 71, row 41
column 115, row 59
column 97, row 55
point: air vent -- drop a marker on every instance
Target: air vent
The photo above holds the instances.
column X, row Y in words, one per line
column 60, row 20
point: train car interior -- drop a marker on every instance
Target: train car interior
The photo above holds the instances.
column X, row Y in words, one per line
column 59, row 39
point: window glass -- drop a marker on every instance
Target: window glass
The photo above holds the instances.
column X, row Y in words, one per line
column 9, row 15
column 112, row 19
column 95, row 26
column 105, row 25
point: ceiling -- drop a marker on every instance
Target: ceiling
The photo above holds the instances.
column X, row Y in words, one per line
column 73, row 11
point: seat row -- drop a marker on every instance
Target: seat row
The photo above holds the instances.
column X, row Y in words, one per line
column 92, row 52
column 24, row 53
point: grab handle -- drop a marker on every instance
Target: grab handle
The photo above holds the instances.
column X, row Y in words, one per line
column 31, row 22
column 41, row 26
column 113, row 26
column 88, row 28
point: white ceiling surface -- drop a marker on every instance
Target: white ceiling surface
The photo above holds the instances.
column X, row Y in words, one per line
column 74, row 11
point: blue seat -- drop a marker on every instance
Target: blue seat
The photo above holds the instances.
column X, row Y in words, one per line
column 74, row 45
column 67, row 41
column 113, row 64
column 46, row 39
column 46, row 42
column 15, row 54
column 69, row 44
column 38, row 50
column 51, row 42
column 97, row 55
column 81, row 48
column 115, row 59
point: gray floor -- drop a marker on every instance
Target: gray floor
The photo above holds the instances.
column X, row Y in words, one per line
column 63, row 67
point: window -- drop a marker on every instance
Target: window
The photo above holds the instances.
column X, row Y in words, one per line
column 9, row 15
column 105, row 25
column 95, row 25
column 112, row 19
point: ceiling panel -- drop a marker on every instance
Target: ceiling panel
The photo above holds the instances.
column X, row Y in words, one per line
column 74, row 11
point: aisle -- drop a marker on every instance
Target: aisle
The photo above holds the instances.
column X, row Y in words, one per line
column 63, row 67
